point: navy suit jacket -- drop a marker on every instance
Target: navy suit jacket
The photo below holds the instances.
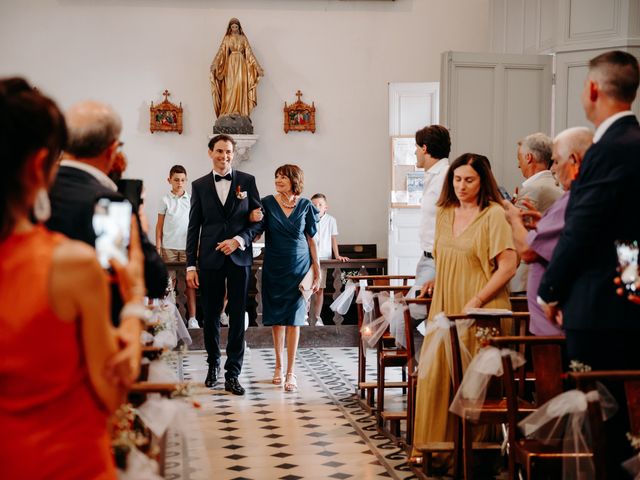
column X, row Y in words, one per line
column 603, row 208
column 211, row 222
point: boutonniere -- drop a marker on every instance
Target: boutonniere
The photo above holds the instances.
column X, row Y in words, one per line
column 240, row 195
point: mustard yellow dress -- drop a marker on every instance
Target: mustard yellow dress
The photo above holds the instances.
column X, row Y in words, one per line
column 464, row 265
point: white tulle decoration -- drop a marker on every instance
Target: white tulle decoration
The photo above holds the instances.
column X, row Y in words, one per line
column 437, row 337
column 473, row 389
column 139, row 467
column 342, row 303
column 365, row 297
column 633, row 466
column 563, row 421
column 161, row 372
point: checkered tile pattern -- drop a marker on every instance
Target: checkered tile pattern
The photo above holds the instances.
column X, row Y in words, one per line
column 319, row 432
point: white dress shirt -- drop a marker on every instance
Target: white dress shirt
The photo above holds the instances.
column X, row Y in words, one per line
column 222, row 187
column 604, row 126
column 433, row 181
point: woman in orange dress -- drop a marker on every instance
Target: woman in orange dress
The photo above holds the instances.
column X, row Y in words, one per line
column 61, row 370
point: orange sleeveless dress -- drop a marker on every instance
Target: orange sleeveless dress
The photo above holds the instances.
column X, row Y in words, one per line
column 51, row 424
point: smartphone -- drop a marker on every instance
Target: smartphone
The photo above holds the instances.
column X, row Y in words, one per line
column 505, row 194
column 112, row 225
column 628, row 265
column 131, row 189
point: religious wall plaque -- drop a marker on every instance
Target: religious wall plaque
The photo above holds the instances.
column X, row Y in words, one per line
column 299, row 116
column 166, row 116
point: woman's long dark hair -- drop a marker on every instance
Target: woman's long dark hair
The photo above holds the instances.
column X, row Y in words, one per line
column 29, row 121
column 488, row 187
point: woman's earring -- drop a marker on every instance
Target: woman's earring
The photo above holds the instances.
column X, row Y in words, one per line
column 42, row 206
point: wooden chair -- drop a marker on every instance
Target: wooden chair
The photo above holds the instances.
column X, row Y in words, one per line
column 365, row 389
column 396, row 417
column 534, row 458
column 412, row 372
column 388, row 355
column 630, row 380
column 494, row 409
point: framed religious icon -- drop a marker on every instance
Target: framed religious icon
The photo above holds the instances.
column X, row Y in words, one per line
column 299, row 116
column 166, row 116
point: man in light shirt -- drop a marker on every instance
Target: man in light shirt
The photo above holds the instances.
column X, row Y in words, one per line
column 171, row 232
column 433, row 145
column 539, row 190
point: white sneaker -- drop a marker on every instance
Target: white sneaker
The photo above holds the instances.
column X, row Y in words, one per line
column 306, row 320
column 193, row 323
column 224, row 319
column 319, row 322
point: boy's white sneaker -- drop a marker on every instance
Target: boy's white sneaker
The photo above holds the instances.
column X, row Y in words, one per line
column 224, row 319
column 319, row 322
column 193, row 323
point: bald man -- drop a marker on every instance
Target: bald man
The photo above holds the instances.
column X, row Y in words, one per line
column 94, row 136
column 535, row 247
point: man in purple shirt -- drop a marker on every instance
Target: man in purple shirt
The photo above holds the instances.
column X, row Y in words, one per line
column 536, row 246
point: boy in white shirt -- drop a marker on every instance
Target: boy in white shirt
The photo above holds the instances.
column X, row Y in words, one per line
column 327, row 243
column 171, row 231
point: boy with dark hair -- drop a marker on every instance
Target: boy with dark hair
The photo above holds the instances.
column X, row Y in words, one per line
column 327, row 243
column 171, row 231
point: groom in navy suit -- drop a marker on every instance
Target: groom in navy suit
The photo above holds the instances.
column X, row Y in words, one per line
column 219, row 242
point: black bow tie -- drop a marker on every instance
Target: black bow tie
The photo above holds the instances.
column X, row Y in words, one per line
column 222, row 177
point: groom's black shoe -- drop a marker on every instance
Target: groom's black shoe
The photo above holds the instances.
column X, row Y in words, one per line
column 233, row 385
column 212, row 375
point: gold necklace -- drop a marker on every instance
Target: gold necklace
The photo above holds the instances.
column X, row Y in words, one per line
column 286, row 205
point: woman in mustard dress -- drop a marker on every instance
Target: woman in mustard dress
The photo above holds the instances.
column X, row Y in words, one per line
column 475, row 259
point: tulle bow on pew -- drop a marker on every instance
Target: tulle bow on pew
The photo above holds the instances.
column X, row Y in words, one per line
column 437, row 341
column 392, row 315
column 342, row 303
column 563, row 420
column 633, row 466
column 473, row 389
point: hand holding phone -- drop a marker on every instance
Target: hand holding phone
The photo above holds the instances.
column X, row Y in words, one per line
column 112, row 225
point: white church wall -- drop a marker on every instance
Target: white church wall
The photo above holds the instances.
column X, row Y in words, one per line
column 340, row 54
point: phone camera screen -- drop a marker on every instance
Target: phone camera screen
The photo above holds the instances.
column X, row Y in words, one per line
column 112, row 224
column 628, row 264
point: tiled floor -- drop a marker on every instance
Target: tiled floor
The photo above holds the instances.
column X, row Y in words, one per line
column 319, row 432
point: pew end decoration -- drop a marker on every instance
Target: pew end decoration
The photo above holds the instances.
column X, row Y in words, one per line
column 166, row 116
column 300, row 116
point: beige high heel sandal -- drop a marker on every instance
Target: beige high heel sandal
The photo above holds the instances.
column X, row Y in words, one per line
column 277, row 376
column 291, row 383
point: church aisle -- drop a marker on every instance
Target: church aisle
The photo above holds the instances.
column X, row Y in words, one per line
column 319, row 432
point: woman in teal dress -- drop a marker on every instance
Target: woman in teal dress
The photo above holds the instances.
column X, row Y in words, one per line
column 290, row 252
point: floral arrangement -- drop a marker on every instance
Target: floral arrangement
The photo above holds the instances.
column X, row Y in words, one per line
column 240, row 195
column 127, row 432
column 347, row 273
column 634, row 440
column 577, row 366
column 484, row 334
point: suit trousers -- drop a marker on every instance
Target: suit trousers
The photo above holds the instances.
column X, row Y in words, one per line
column 232, row 280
